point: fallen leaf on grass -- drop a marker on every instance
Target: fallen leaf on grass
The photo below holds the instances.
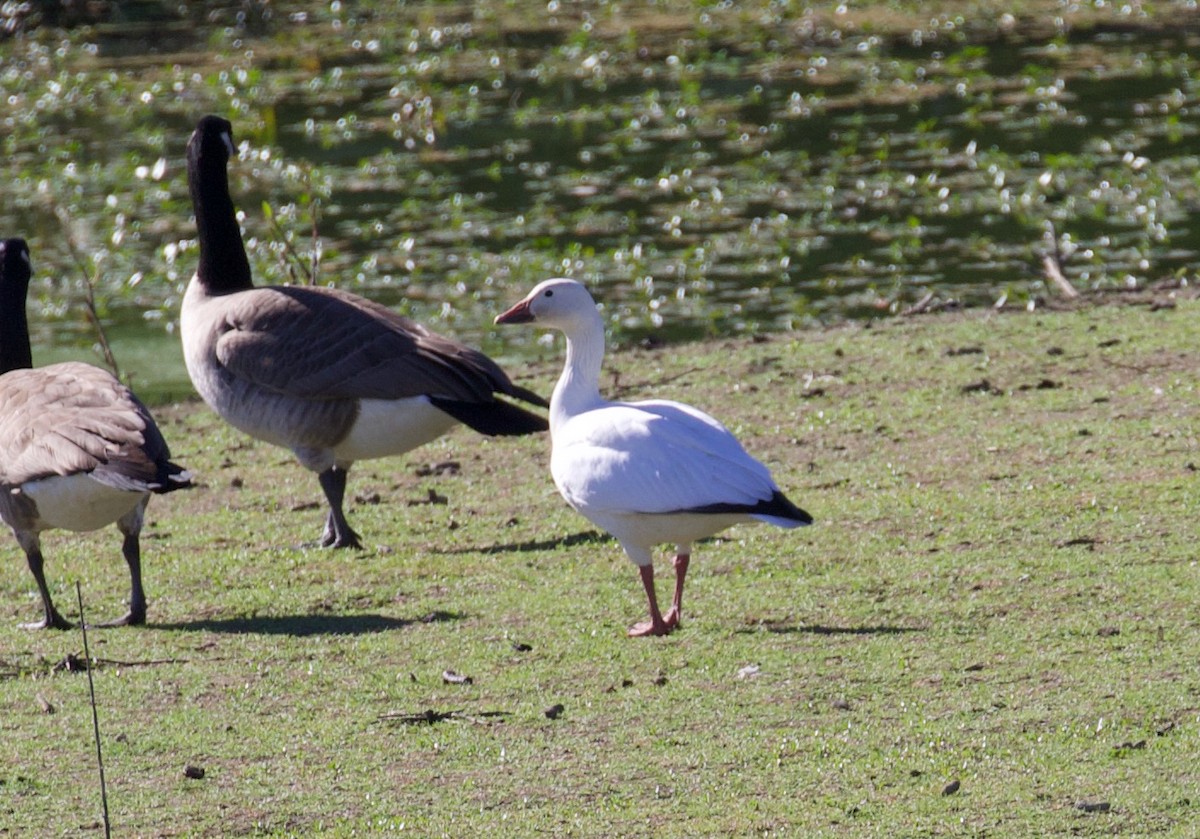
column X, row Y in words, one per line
column 431, row 498
column 1084, row 541
column 553, row 712
column 452, row 678
column 951, row 787
column 1093, row 806
column 446, row 467
column 1130, row 746
column 982, row 386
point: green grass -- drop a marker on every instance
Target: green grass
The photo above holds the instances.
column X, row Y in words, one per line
column 1001, row 590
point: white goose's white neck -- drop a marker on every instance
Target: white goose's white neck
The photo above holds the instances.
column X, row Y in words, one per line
column 578, row 388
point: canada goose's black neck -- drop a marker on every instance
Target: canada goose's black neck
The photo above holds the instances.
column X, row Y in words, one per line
column 15, row 270
column 223, row 265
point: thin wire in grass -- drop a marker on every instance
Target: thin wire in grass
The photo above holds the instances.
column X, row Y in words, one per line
column 87, row 656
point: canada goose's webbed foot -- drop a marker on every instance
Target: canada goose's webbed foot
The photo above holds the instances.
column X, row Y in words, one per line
column 338, row 532
column 335, row 537
column 52, row 620
column 130, row 618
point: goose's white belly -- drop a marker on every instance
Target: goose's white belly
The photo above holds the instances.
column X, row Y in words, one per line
column 638, row 533
column 391, row 426
column 79, row 502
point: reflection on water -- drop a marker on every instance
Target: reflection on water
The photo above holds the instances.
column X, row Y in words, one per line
column 702, row 181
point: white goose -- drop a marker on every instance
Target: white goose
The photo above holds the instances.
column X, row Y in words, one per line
column 77, row 449
column 647, row 472
column 330, row 375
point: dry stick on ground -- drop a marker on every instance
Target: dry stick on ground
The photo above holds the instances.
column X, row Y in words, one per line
column 89, row 285
column 1052, row 263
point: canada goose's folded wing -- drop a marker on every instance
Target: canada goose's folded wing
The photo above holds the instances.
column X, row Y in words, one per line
column 326, row 344
column 73, row 418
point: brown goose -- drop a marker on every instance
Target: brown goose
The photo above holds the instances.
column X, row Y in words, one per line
column 77, row 449
column 328, row 374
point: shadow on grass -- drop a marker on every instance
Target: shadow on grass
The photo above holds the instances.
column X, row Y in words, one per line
column 586, row 537
column 812, row 629
column 300, row 626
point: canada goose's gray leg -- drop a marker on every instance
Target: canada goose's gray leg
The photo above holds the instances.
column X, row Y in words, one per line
column 131, row 526
column 338, row 533
column 33, row 554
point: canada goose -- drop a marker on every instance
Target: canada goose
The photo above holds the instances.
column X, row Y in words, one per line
column 647, row 472
column 328, row 374
column 77, row 449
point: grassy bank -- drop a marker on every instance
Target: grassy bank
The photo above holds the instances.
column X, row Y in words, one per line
column 993, row 622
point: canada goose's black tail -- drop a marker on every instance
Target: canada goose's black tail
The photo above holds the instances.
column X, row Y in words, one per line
column 495, row 418
column 172, row 476
column 526, row 395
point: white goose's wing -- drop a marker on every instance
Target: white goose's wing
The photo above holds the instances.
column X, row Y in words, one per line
column 654, row 457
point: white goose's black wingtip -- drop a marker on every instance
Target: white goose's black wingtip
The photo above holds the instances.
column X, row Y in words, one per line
column 777, row 510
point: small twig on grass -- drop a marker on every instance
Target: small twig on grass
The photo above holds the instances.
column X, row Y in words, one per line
column 95, row 716
column 921, row 306
column 430, row 717
column 154, row 662
column 73, row 664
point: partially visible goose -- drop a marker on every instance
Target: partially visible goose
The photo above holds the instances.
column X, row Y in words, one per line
column 77, row 449
column 328, row 374
column 647, row 472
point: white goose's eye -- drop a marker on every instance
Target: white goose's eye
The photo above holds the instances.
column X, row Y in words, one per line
column 549, row 292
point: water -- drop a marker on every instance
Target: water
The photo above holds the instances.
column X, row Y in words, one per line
column 705, row 175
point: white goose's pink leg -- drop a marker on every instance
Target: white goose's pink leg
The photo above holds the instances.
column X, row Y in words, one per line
column 656, row 625
column 676, row 611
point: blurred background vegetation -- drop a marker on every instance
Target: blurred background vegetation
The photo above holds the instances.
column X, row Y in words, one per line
column 709, row 168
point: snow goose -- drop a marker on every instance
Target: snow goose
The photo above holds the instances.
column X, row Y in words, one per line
column 328, row 374
column 77, row 449
column 647, row 472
